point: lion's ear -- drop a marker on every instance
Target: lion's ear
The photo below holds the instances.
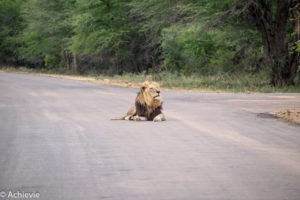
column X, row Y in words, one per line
column 144, row 86
column 142, row 89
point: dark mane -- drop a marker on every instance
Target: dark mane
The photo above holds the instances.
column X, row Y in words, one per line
column 143, row 110
column 156, row 112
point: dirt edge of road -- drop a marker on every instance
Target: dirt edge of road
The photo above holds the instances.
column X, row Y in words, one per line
column 79, row 78
column 292, row 115
column 119, row 83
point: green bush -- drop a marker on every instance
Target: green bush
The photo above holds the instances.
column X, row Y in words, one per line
column 52, row 61
column 192, row 50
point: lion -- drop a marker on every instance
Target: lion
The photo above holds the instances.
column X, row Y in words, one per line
column 148, row 104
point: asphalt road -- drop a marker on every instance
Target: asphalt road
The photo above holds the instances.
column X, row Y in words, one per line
column 57, row 140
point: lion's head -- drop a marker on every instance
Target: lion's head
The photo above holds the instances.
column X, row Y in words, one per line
column 150, row 94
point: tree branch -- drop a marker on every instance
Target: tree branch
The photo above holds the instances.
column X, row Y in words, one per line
column 263, row 21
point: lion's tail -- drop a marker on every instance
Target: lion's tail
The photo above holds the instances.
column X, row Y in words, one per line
column 120, row 118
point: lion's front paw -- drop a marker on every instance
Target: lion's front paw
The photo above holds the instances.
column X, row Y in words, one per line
column 159, row 118
column 136, row 118
column 127, row 118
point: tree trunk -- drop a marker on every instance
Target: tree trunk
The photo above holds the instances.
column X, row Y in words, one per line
column 68, row 58
column 75, row 64
column 274, row 37
column 135, row 66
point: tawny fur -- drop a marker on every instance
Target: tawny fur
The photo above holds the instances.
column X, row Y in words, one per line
column 148, row 104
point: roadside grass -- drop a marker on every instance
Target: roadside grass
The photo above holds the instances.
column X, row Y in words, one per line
column 241, row 83
column 237, row 83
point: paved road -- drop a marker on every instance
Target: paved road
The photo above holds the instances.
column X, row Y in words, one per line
column 56, row 139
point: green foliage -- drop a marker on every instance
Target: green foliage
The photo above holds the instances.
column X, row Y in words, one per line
column 192, row 49
column 51, row 61
column 185, row 37
column 298, row 46
column 10, row 25
column 99, row 25
column 134, row 35
column 130, row 35
column 47, row 28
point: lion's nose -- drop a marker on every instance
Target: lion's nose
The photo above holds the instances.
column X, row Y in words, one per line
column 158, row 92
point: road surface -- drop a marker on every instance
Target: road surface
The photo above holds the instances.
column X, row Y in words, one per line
column 57, row 140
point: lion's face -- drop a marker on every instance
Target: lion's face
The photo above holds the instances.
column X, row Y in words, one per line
column 151, row 93
column 153, row 90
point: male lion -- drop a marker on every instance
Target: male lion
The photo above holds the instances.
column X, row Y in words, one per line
column 148, row 104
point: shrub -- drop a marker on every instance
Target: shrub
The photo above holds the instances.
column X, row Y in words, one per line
column 52, row 61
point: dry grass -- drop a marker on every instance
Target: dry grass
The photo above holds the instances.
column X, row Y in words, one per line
column 106, row 81
column 236, row 83
column 292, row 115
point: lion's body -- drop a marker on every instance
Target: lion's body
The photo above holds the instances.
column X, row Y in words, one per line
column 148, row 104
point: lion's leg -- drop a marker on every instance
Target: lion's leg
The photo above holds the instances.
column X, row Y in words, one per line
column 127, row 117
column 159, row 117
column 136, row 118
column 131, row 114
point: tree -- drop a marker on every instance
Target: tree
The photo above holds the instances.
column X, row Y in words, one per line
column 47, row 29
column 10, row 26
column 101, row 32
column 272, row 19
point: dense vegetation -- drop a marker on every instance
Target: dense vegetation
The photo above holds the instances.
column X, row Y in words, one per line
column 186, row 37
